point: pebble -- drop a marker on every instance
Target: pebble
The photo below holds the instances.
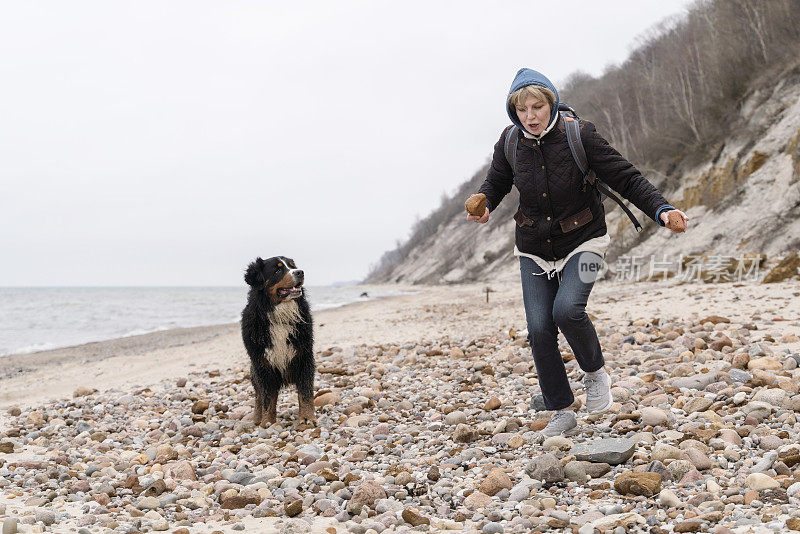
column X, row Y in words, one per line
column 464, row 434
column 699, row 381
column 293, row 508
column 738, row 375
column 48, row 517
column 477, row 500
column 646, row 484
column 557, row 442
column 773, row 396
column 757, row 410
column 367, row 493
column 413, row 517
column 326, row 399
column 668, row 499
column 148, row 503
column 495, row 481
column 545, row 467
column 662, row 452
column 575, row 472
column 455, row 418
column 653, row 416
column 612, row 451
column 761, row 481
column 10, row 525
column 82, row 391
column 492, row 404
column 764, row 364
column 537, row 403
column 771, row 443
column 697, row 404
column 411, row 437
column 690, row 525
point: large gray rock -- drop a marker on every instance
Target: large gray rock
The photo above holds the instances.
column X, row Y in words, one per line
column 575, row 471
column 612, row 451
column 546, row 467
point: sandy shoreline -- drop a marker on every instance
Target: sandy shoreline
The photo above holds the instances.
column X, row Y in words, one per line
column 146, row 358
column 422, row 313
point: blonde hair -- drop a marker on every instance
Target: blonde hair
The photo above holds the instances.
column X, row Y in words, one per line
column 542, row 93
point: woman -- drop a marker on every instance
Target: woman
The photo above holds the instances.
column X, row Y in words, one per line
column 561, row 236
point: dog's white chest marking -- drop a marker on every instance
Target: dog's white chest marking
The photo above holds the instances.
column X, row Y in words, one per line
column 284, row 318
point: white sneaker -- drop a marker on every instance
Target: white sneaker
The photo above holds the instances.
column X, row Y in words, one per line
column 561, row 421
column 598, row 391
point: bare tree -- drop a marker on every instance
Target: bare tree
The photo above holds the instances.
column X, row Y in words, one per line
column 673, row 99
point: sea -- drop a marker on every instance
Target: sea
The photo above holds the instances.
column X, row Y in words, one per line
column 43, row 318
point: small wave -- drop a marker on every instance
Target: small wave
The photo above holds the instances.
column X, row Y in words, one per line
column 329, row 305
column 140, row 331
column 27, row 349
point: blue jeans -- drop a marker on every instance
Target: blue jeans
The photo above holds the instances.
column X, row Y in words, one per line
column 560, row 302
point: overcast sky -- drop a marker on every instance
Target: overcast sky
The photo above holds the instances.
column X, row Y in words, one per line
column 170, row 142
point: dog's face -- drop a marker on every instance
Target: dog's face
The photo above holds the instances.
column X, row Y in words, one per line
column 278, row 276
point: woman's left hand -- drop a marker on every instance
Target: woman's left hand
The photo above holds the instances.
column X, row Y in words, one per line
column 665, row 219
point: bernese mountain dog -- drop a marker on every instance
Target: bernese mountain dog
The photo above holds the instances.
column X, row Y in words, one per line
column 278, row 334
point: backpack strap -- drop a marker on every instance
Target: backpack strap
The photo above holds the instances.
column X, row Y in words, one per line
column 573, row 131
column 603, row 189
column 510, row 147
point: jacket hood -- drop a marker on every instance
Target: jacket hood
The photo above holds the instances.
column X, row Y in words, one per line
column 526, row 77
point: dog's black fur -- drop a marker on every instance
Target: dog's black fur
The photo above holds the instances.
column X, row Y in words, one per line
column 278, row 337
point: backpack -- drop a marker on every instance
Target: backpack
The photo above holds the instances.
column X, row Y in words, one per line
column 573, row 131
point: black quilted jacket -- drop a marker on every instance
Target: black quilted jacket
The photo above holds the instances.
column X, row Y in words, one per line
column 556, row 212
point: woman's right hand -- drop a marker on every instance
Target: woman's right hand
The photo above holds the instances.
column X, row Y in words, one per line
column 482, row 219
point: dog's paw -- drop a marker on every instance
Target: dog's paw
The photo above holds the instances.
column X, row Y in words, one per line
column 267, row 421
column 307, row 421
column 306, row 424
column 307, row 413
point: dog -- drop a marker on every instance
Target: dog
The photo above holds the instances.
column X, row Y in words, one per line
column 278, row 334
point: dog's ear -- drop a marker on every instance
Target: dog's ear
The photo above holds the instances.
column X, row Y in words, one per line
column 254, row 274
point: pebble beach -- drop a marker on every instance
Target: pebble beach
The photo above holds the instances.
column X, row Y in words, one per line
column 428, row 416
